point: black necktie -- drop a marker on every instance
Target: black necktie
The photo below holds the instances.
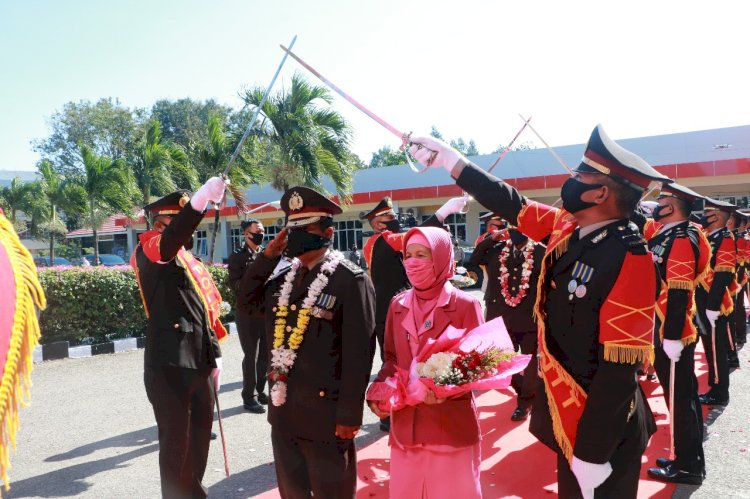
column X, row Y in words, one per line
column 302, row 272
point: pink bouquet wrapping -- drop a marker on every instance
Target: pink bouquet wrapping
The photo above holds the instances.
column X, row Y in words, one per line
column 452, row 364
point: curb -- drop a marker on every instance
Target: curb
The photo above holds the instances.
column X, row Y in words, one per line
column 62, row 349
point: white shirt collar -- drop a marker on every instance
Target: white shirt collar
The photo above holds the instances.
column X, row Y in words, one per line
column 585, row 231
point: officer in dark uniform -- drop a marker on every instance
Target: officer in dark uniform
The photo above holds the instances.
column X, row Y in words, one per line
column 713, row 300
column 743, row 254
column 512, row 268
column 251, row 326
column 182, row 357
column 595, row 313
column 681, row 252
column 320, row 318
column 734, row 225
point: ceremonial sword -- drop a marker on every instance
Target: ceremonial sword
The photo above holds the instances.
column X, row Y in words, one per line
column 405, row 142
column 221, row 430
column 507, row 148
column 671, row 408
column 255, row 114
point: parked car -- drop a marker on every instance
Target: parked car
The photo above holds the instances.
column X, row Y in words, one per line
column 106, row 259
column 43, row 261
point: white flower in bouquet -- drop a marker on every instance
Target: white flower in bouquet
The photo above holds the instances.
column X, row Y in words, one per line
column 225, row 308
column 437, row 366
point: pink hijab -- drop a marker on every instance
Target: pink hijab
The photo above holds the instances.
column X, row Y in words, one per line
column 439, row 242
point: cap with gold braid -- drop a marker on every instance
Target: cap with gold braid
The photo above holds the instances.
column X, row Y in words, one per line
column 304, row 206
column 171, row 204
column 384, row 207
column 715, row 204
column 604, row 155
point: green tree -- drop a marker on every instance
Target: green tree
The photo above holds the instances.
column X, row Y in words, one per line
column 213, row 157
column 387, row 156
column 158, row 165
column 524, row 146
column 109, row 188
column 17, row 197
column 308, row 140
column 53, row 192
column 461, row 146
column 107, row 126
column 435, row 133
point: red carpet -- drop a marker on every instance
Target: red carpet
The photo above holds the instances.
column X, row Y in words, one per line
column 514, row 464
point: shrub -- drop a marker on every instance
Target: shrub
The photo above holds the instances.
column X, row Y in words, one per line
column 96, row 304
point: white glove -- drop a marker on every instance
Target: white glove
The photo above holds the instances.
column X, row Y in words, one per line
column 441, row 153
column 648, row 206
column 712, row 315
column 589, row 475
column 673, row 349
column 211, row 191
column 452, row 206
column 216, row 373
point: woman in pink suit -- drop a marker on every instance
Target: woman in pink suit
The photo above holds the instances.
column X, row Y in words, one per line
column 435, row 449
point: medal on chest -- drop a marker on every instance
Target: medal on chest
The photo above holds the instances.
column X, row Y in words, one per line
column 581, row 275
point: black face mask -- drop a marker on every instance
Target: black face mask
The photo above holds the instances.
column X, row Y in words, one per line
column 393, row 225
column 657, row 213
column 300, row 241
column 256, row 238
column 571, row 195
column 705, row 222
column 516, row 237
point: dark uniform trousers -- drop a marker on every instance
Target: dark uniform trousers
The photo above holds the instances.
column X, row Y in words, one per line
column 688, row 416
column 182, row 400
column 716, row 345
column 252, row 333
column 328, row 469
column 524, row 383
column 740, row 317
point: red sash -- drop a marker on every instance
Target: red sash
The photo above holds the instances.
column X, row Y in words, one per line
column 199, row 277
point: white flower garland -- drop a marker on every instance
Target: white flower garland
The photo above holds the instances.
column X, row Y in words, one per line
column 523, row 286
column 283, row 356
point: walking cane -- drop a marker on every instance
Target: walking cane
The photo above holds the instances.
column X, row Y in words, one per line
column 221, row 431
column 671, row 409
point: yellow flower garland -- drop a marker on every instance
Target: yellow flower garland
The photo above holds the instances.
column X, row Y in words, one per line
column 298, row 333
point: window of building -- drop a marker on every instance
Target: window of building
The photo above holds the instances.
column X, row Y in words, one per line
column 271, row 231
column 237, row 238
column 348, row 233
column 200, row 246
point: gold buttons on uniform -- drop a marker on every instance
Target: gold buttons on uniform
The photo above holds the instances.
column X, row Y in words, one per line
column 293, row 306
column 288, row 328
column 177, row 326
column 322, row 393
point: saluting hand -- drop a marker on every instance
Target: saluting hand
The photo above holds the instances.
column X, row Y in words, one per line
column 346, row 432
column 277, row 246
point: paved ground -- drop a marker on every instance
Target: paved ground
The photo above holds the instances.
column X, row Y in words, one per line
column 89, row 432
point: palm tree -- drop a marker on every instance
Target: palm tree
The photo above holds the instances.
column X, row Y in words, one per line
column 109, row 186
column 158, row 164
column 212, row 159
column 52, row 192
column 16, row 197
column 310, row 141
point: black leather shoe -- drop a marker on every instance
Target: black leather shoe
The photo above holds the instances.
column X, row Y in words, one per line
column 385, row 425
column 214, row 436
column 733, row 363
column 254, row 407
column 673, row 475
column 663, row 462
column 708, row 399
column 519, row 414
column 263, row 398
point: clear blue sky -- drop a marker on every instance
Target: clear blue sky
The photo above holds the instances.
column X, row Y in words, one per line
column 467, row 67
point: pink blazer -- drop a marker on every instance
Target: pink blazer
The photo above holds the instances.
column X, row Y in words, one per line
column 453, row 422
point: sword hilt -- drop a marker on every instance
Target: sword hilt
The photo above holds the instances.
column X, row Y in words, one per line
column 406, row 144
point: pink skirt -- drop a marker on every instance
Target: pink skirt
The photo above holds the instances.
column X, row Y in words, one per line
column 418, row 472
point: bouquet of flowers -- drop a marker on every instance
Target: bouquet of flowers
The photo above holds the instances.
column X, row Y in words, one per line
column 454, row 363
